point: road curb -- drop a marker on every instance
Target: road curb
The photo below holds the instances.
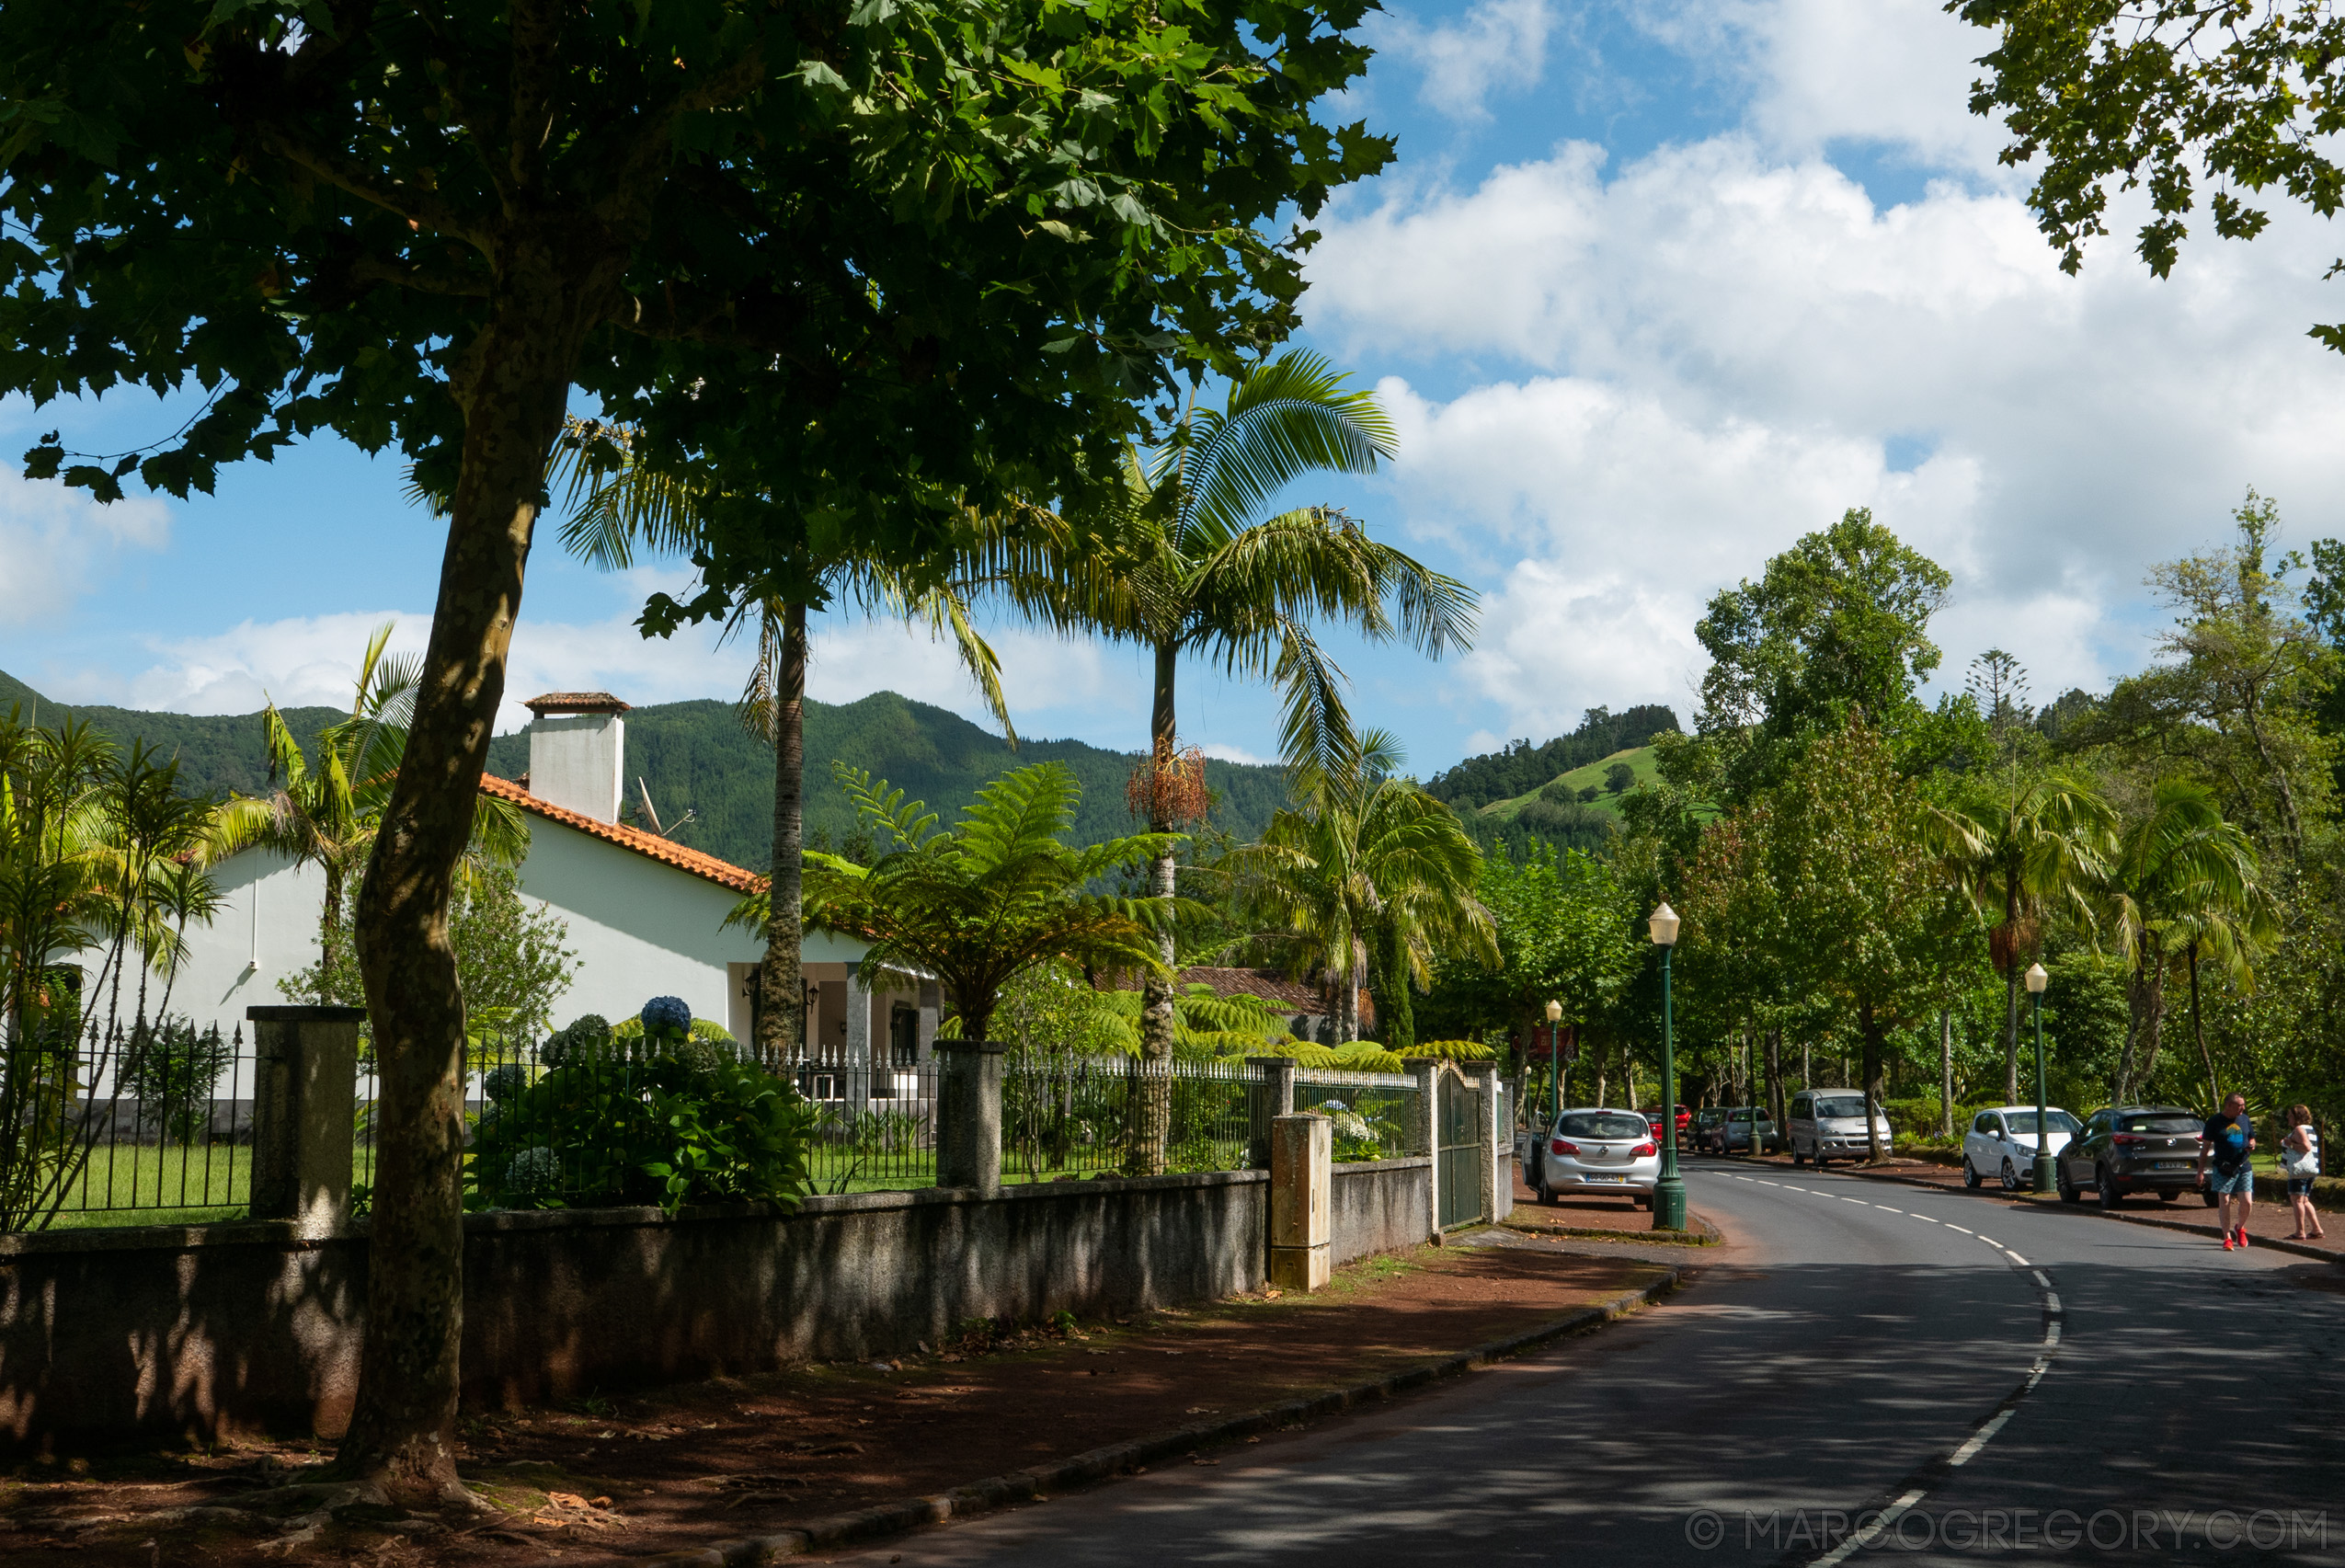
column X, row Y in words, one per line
column 2277, row 1244
column 1705, row 1234
column 1099, row 1464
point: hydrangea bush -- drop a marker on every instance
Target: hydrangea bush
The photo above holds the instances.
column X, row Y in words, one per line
column 682, row 1122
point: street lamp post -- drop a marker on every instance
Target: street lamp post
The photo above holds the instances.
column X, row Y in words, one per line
column 1669, row 1192
column 2037, row 980
column 1554, row 1063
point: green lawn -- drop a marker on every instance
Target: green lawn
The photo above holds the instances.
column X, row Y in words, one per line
column 1640, row 762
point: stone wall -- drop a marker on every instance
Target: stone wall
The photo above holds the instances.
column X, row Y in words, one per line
column 1380, row 1205
column 168, row 1332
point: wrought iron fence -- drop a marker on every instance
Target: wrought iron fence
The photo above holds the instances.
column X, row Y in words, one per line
column 1376, row 1113
column 148, row 1125
column 1066, row 1116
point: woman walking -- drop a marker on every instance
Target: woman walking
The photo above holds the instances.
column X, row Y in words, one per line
column 2300, row 1158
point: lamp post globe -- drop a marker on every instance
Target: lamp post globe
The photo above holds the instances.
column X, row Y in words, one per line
column 2045, row 1181
column 1669, row 1192
column 1554, row 1063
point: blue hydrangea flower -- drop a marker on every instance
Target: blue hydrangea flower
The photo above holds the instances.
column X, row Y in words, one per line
column 503, row 1082
column 667, row 1015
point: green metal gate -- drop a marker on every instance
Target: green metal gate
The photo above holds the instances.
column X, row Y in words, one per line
column 1458, row 1153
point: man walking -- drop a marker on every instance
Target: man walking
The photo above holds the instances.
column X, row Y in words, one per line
column 2229, row 1138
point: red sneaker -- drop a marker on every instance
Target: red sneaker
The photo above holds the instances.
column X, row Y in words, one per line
column 2242, row 1238
column 2226, row 1241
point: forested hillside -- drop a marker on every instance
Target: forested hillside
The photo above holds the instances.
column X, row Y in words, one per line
column 695, row 757
column 1522, row 768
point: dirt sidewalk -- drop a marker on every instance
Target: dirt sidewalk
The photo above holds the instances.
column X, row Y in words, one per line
column 675, row 1468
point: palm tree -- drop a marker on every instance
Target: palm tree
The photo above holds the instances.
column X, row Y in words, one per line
column 983, row 902
column 326, row 812
column 2184, row 885
column 618, row 506
column 1201, row 577
column 1368, row 867
column 2022, row 846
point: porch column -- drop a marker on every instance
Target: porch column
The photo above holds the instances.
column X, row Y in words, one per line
column 932, row 1006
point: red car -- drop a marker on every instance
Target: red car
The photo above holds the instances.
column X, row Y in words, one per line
column 1685, row 1122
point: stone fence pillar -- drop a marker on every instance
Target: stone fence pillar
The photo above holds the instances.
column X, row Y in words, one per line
column 1273, row 1097
column 969, row 1115
column 304, row 1100
column 1301, row 1218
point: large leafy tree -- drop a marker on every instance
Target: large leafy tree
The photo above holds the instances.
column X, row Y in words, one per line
column 1835, row 627
column 1201, row 573
column 2184, row 101
column 945, row 239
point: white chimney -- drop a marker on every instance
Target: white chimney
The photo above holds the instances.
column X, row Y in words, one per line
column 578, row 751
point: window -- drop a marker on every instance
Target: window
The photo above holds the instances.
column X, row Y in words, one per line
column 1604, row 1125
column 1985, row 1125
column 2169, row 1123
column 904, row 1037
column 1799, row 1105
column 2025, row 1121
column 1835, row 1105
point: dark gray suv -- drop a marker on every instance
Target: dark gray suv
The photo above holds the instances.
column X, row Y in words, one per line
column 2133, row 1149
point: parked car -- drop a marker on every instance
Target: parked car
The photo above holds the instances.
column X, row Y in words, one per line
column 1731, row 1133
column 1594, row 1148
column 2001, row 1142
column 1652, row 1114
column 2133, row 1148
column 1706, row 1121
column 1829, row 1124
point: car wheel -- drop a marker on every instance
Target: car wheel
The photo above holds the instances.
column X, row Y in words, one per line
column 2010, row 1175
column 2110, row 1197
column 1969, row 1172
column 2168, row 1196
column 1546, row 1193
column 2068, row 1193
column 1798, row 1159
column 2206, row 1195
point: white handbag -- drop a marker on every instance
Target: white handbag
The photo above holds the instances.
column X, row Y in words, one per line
column 2301, row 1162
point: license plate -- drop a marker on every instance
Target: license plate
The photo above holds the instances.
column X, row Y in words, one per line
column 2173, row 1165
column 1604, row 1178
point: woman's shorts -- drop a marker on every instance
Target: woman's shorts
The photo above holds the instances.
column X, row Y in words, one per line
column 2300, row 1186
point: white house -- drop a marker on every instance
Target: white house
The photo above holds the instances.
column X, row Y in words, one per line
column 645, row 917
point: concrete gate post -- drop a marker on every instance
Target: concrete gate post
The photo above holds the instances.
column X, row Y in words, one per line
column 1424, row 1134
column 304, row 1100
column 1496, row 1199
column 1273, row 1097
column 968, row 1115
column 1302, row 1151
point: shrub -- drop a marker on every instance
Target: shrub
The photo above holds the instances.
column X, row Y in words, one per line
column 671, row 1130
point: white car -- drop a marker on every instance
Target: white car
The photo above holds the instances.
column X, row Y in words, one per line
column 1591, row 1149
column 2001, row 1142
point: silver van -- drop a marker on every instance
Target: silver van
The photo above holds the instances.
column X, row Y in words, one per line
column 1829, row 1124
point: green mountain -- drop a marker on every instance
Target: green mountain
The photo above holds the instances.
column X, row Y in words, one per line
column 1572, row 786
column 1525, row 793
column 695, row 758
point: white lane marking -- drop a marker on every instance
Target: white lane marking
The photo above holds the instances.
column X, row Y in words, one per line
column 1860, row 1203
column 2054, row 1316
column 1871, row 1533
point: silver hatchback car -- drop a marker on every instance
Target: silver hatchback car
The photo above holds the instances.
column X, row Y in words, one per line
column 1590, row 1150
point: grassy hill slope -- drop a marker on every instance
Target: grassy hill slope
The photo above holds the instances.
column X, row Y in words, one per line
column 1640, row 762
column 695, row 757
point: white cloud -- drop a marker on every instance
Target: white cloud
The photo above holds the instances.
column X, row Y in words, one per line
column 1234, row 754
column 1500, row 45
column 54, row 542
column 1687, row 365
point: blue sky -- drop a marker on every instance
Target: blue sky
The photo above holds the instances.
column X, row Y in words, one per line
column 1652, row 290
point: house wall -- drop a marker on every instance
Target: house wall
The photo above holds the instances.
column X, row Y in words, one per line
column 640, row 928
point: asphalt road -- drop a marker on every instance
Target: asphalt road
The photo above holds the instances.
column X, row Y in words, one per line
column 1869, row 1374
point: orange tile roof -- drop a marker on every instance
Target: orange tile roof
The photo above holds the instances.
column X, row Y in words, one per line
column 723, row 873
